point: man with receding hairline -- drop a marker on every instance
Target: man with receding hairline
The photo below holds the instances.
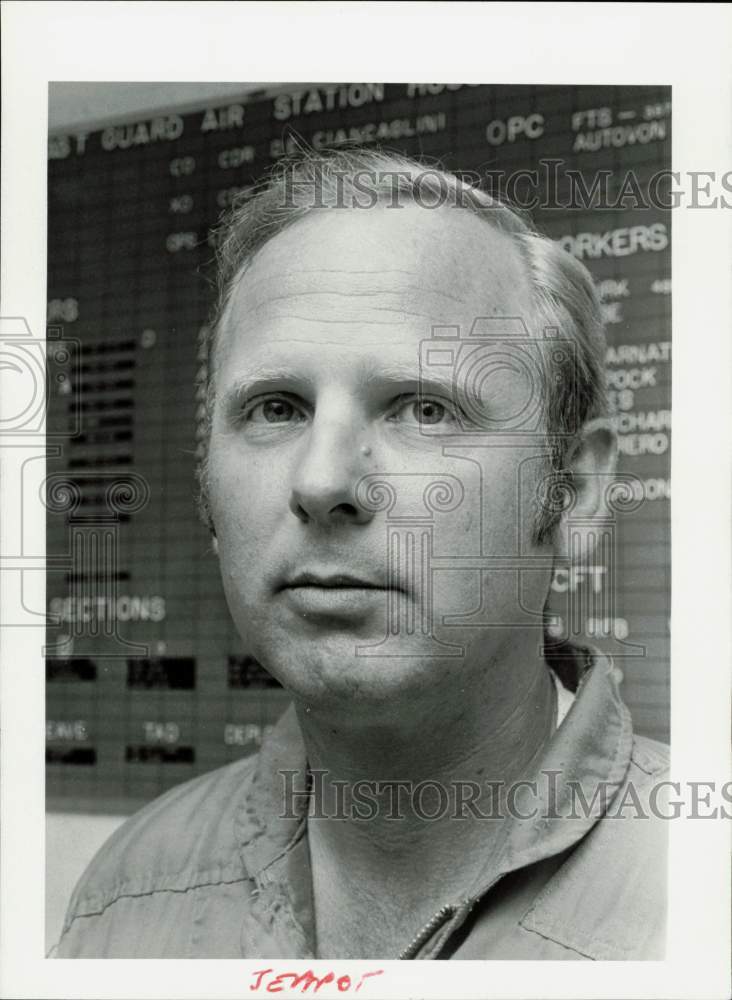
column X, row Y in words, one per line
column 407, row 429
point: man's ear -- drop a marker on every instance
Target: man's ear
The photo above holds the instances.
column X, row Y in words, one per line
column 591, row 461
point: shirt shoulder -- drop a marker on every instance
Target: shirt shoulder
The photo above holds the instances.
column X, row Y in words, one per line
column 182, row 839
column 608, row 899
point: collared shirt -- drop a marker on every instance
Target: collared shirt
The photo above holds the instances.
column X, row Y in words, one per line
column 215, row 868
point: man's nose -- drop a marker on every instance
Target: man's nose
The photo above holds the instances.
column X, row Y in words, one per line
column 324, row 485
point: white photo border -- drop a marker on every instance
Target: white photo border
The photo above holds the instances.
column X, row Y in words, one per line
column 682, row 45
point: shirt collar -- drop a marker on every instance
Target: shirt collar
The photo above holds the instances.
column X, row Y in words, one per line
column 589, row 750
column 585, row 762
column 267, row 823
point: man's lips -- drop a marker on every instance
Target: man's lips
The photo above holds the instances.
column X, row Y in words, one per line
column 325, row 595
column 333, row 581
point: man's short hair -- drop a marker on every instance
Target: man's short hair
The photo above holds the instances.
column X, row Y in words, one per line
column 564, row 298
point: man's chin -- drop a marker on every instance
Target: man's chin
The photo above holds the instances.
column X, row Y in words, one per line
column 342, row 675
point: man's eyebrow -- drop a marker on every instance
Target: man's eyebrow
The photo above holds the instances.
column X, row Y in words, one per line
column 408, row 377
column 424, row 379
column 260, row 377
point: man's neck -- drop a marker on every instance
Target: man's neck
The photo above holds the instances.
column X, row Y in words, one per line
column 395, row 838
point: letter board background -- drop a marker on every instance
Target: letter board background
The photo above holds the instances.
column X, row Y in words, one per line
column 147, row 683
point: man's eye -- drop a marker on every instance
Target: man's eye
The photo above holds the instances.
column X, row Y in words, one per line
column 273, row 411
column 425, row 412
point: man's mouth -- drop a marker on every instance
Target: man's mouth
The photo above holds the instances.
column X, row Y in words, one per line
column 327, row 595
column 333, row 581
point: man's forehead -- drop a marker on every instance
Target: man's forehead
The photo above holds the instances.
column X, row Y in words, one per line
column 381, row 268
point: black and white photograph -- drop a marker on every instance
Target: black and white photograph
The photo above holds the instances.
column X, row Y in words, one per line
column 347, row 560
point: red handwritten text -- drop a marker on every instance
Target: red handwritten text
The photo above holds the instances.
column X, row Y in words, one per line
column 304, row 980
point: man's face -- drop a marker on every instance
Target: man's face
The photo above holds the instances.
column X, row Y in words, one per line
column 317, row 378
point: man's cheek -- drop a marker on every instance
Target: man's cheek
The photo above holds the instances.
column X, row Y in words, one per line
column 456, row 592
column 532, row 495
column 235, row 497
